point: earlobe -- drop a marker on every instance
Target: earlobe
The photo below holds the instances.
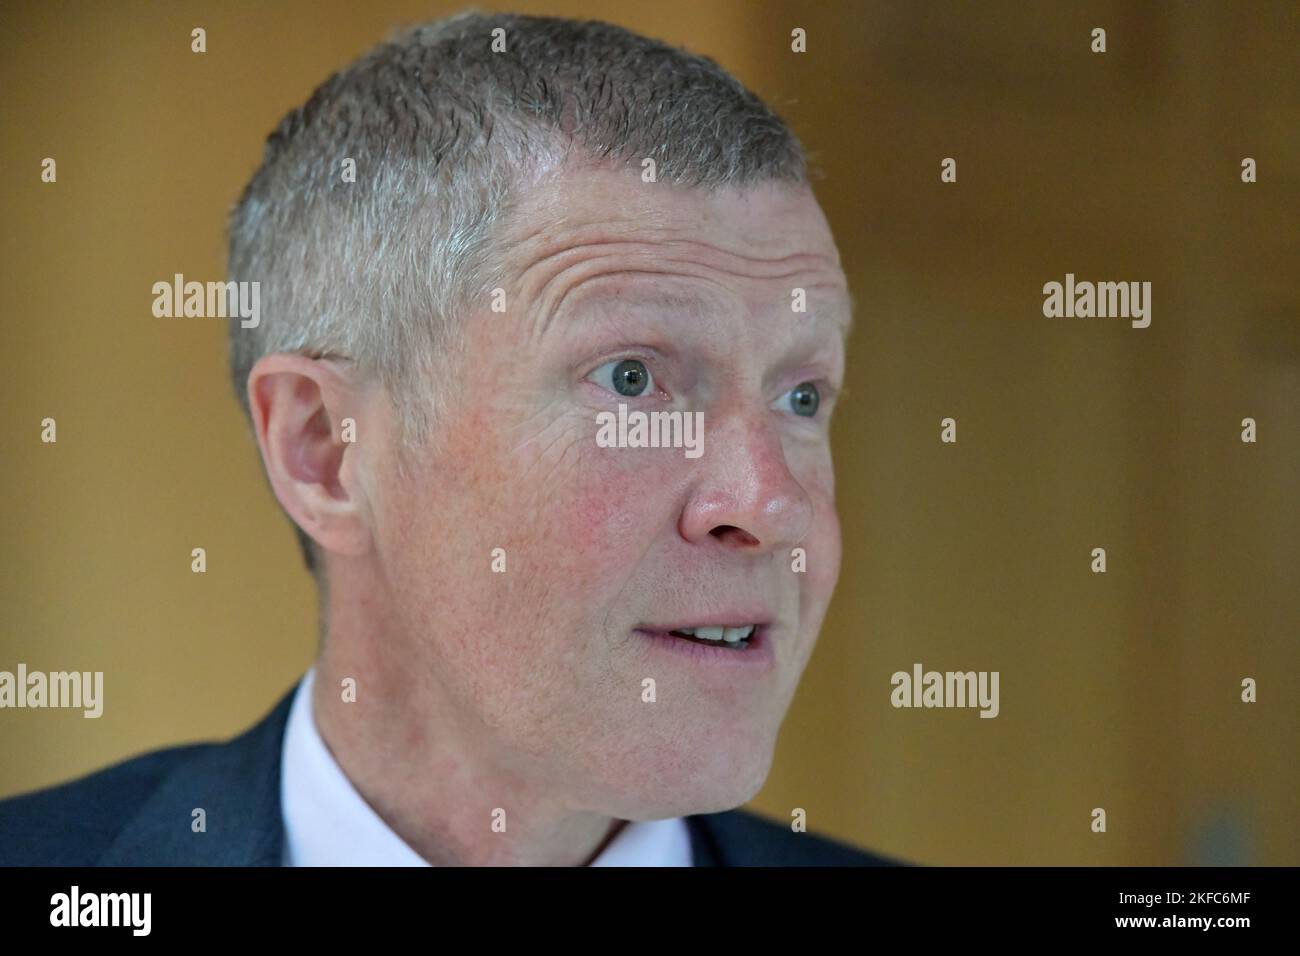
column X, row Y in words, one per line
column 299, row 406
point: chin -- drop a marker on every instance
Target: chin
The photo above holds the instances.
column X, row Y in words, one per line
column 699, row 781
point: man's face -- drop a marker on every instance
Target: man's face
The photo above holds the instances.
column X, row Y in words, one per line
column 662, row 299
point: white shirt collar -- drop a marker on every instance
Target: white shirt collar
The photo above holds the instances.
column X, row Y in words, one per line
column 328, row 823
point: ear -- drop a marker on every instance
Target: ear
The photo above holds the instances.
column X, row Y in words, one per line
column 298, row 405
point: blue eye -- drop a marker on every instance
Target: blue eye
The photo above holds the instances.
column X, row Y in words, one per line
column 805, row 399
column 628, row 377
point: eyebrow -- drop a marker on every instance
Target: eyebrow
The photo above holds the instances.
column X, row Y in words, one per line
column 689, row 304
column 642, row 295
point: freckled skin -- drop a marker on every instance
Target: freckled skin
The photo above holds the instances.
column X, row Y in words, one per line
column 523, row 690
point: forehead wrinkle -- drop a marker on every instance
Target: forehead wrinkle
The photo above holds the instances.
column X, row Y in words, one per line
column 564, row 265
column 591, row 303
column 660, row 246
column 639, row 292
column 716, row 258
column 696, row 304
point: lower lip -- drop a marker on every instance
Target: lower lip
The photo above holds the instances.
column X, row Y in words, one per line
column 757, row 656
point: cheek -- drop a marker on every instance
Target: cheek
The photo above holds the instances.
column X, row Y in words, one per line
column 572, row 518
column 612, row 502
column 824, row 545
column 600, row 515
column 824, row 564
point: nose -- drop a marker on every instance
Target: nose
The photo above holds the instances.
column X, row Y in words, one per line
column 746, row 498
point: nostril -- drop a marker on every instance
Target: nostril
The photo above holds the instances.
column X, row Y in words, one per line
column 733, row 535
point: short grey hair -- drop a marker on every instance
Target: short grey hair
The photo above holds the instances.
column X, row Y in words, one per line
column 442, row 130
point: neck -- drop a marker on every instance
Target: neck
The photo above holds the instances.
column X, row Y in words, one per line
column 432, row 776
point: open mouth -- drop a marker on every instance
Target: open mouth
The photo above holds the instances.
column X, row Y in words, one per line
column 735, row 638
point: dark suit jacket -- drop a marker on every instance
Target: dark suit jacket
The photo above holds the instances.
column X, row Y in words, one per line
column 138, row 813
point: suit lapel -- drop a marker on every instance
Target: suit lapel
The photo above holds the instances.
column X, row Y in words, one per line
column 705, row 848
column 236, row 784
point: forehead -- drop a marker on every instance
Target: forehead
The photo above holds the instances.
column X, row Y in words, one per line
column 572, row 197
column 574, row 226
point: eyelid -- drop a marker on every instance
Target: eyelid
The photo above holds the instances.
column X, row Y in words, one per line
column 829, row 390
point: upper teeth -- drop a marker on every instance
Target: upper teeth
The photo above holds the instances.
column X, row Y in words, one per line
column 729, row 634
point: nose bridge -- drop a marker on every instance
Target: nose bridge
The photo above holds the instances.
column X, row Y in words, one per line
column 745, row 484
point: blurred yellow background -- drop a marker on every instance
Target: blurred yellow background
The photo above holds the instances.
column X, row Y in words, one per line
column 1119, row 690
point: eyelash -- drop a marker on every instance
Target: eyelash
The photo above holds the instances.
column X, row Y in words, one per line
column 826, row 392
